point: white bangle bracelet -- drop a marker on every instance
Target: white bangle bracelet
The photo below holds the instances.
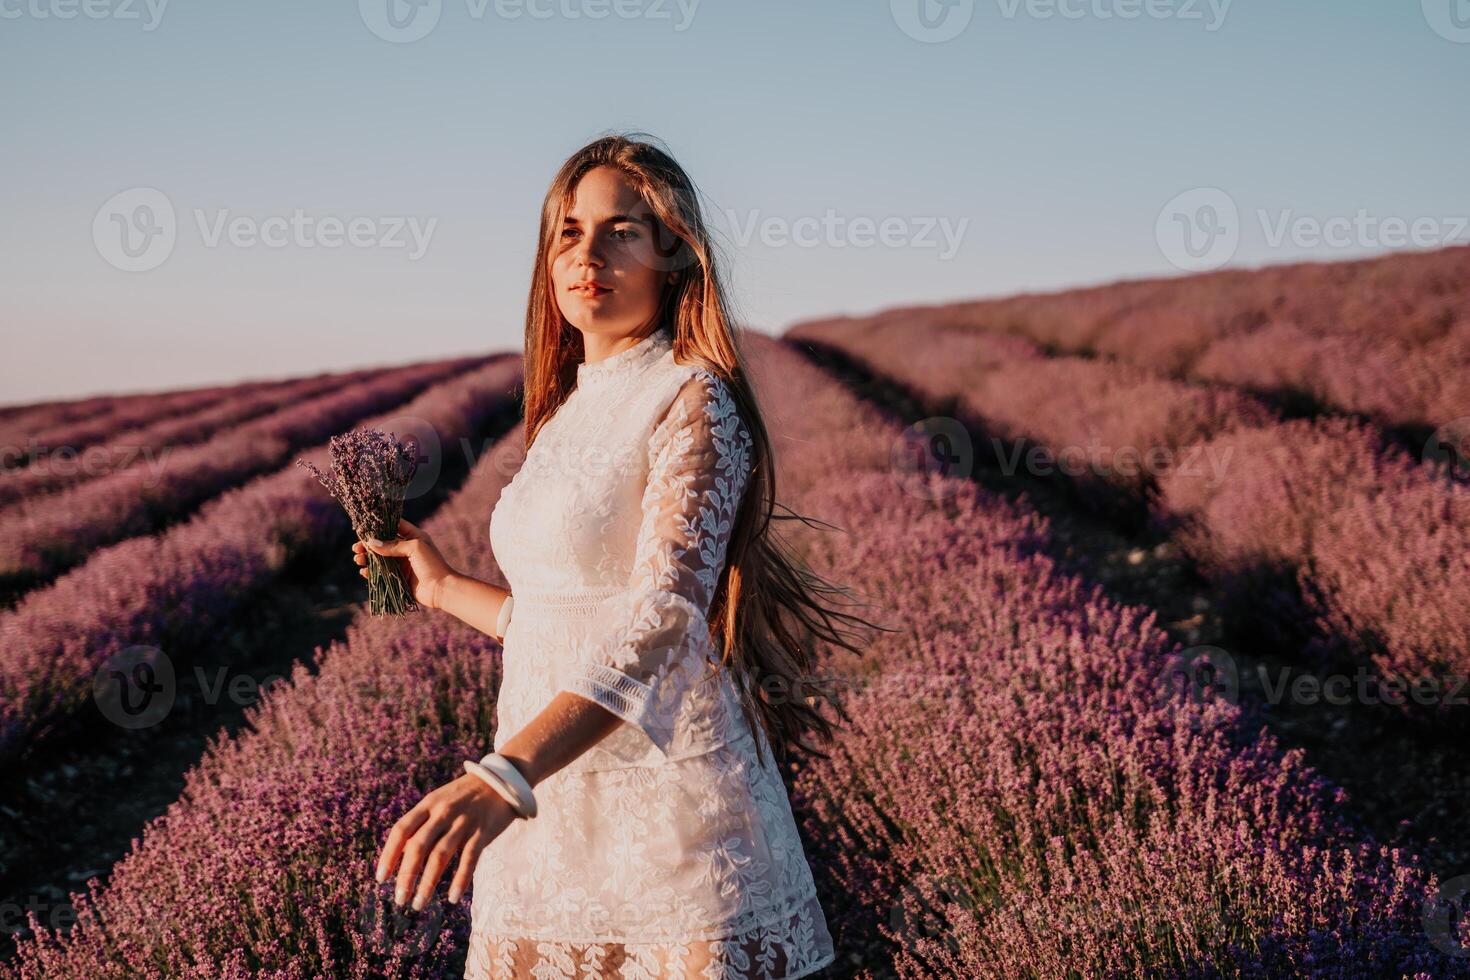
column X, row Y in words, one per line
column 502, row 622
column 494, row 782
column 502, row 767
column 503, row 777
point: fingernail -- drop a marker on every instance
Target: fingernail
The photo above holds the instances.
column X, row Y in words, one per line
column 375, row 542
column 400, row 896
column 418, row 903
column 454, row 898
column 378, row 874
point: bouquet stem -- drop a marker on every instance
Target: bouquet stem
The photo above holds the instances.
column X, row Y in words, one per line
column 369, row 476
column 389, row 593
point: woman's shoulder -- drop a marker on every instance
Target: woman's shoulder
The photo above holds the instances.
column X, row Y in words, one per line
column 691, row 386
column 699, row 407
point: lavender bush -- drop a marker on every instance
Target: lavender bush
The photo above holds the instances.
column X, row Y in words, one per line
column 263, row 868
column 1385, row 337
column 117, row 442
column 52, row 422
column 370, row 472
column 1017, row 797
column 1302, row 522
column 1378, row 545
column 54, row 532
column 173, row 591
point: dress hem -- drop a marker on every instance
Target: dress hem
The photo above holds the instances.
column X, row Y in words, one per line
column 781, row 911
column 806, row 971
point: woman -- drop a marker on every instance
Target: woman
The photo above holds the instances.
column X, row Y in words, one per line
column 657, row 645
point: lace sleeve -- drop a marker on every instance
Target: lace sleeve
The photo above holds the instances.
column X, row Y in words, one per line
column 645, row 658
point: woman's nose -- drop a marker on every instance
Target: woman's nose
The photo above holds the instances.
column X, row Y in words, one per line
column 586, row 256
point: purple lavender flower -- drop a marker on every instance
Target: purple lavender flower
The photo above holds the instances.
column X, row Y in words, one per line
column 371, row 471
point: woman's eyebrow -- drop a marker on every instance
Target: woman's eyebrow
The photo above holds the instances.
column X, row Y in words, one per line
column 611, row 219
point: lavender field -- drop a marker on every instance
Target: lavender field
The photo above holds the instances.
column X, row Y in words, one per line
column 1131, row 543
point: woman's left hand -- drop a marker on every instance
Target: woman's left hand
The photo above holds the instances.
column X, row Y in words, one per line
column 458, row 818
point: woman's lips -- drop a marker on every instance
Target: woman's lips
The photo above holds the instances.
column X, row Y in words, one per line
column 591, row 292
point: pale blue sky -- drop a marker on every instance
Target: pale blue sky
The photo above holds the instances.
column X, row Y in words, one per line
column 1046, row 137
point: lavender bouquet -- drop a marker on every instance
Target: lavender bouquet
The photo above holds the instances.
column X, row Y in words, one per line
column 370, row 472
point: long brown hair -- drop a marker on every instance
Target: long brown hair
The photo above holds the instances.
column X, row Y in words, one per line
column 768, row 608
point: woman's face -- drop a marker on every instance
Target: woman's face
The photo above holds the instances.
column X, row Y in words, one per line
column 607, row 237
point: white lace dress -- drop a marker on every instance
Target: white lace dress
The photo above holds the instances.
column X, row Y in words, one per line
column 668, row 849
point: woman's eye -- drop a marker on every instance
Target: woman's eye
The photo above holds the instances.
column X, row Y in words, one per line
column 623, row 234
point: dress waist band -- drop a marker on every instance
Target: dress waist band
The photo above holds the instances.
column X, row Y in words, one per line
column 585, row 599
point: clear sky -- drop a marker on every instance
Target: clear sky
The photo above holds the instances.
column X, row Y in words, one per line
column 854, row 155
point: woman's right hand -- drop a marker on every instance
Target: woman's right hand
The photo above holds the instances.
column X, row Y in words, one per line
column 426, row 568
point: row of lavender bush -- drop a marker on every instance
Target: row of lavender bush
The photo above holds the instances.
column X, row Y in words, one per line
column 1387, row 338
column 1020, row 795
column 38, row 442
column 263, row 868
column 88, row 450
column 20, row 425
column 1377, row 543
column 54, row 532
column 174, row 590
column 1014, row 787
column 1018, row 798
